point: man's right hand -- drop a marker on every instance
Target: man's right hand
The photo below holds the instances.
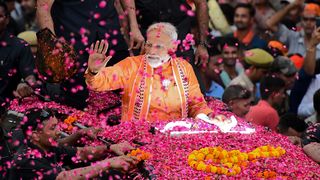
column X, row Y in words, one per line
column 123, row 163
column 298, row 3
column 121, row 148
column 315, row 40
column 98, row 59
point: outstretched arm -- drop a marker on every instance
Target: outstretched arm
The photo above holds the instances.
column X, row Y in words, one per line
column 44, row 14
column 273, row 22
column 313, row 151
column 122, row 163
column 135, row 36
column 201, row 54
column 309, row 64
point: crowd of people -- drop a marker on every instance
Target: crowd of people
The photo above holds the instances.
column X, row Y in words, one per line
column 166, row 56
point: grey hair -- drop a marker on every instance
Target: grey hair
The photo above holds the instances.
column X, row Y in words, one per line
column 166, row 28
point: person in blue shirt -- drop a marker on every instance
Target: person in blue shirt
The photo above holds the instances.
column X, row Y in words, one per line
column 210, row 72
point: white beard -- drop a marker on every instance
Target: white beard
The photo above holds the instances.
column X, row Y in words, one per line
column 155, row 61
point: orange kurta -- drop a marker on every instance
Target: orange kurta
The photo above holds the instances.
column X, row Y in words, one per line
column 159, row 102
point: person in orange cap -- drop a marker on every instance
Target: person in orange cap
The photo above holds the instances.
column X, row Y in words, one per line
column 297, row 60
column 277, row 48
column 297, row 41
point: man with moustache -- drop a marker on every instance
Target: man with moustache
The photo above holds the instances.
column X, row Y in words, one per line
column 231, row 55
column 297, row 41
column 244, row 21
column 156, row 86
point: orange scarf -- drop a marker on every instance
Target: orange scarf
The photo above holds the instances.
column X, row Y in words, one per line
column 142, row 88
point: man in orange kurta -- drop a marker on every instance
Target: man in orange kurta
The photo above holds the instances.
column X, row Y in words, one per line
column 156, row 86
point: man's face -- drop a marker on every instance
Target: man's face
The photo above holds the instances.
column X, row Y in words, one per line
column 240, row 106
column 308, row 22
column 242, row 18
column 158, row 46
column 4, row 20
column 289, row 80
column 213, row 68
column 49, row 135
column 278, row 97
column 28, row 6
column 259, row 73
column 230, row 55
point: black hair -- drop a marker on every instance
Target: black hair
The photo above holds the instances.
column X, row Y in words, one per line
column 275, row 52
column 269, row 85
column 35, row 117
column 248, row 6
column 230, row 41
column 235, row 92
column 5, row 7
column 214, row 46
column 291, row 120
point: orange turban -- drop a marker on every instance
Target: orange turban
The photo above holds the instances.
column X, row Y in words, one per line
column 312, row 8
column 278, row 45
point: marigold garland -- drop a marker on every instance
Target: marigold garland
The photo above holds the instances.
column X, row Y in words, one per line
column 267, row 174
column 140, row 154
column 69, row 121
column 220, row 161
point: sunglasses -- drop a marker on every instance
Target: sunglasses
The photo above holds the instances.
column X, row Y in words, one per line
column 309, row 19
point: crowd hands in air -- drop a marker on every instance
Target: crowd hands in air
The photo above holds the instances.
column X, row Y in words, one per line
column 266, row 69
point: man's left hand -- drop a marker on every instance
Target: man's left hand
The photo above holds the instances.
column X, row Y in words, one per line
column 201, row 55
column 121, row 148
column 23, row 90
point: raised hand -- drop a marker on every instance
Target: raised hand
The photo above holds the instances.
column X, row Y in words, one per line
column 315, row 40
column 98, row 59
column 201, row 55
column 298, row 3
column 136, row 39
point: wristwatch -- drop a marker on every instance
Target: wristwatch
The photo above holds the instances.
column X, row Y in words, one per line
column 203, row 43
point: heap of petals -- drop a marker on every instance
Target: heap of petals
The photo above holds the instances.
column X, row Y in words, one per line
column 170, row 154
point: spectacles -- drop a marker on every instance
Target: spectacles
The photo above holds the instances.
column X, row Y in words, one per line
column 309, row 19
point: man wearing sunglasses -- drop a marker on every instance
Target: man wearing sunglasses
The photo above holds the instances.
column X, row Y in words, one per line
column 45, row 158
column 297, row 41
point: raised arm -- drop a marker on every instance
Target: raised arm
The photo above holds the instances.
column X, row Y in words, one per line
column 44, row 14
column 101, row 78
column 136, row 38
column 201, row 54
column 309, row 64
column 273, row 22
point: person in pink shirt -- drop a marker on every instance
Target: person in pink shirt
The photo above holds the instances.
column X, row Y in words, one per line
column 272, row 90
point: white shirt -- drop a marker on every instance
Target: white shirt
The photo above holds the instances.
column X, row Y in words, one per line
column 306, row 106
